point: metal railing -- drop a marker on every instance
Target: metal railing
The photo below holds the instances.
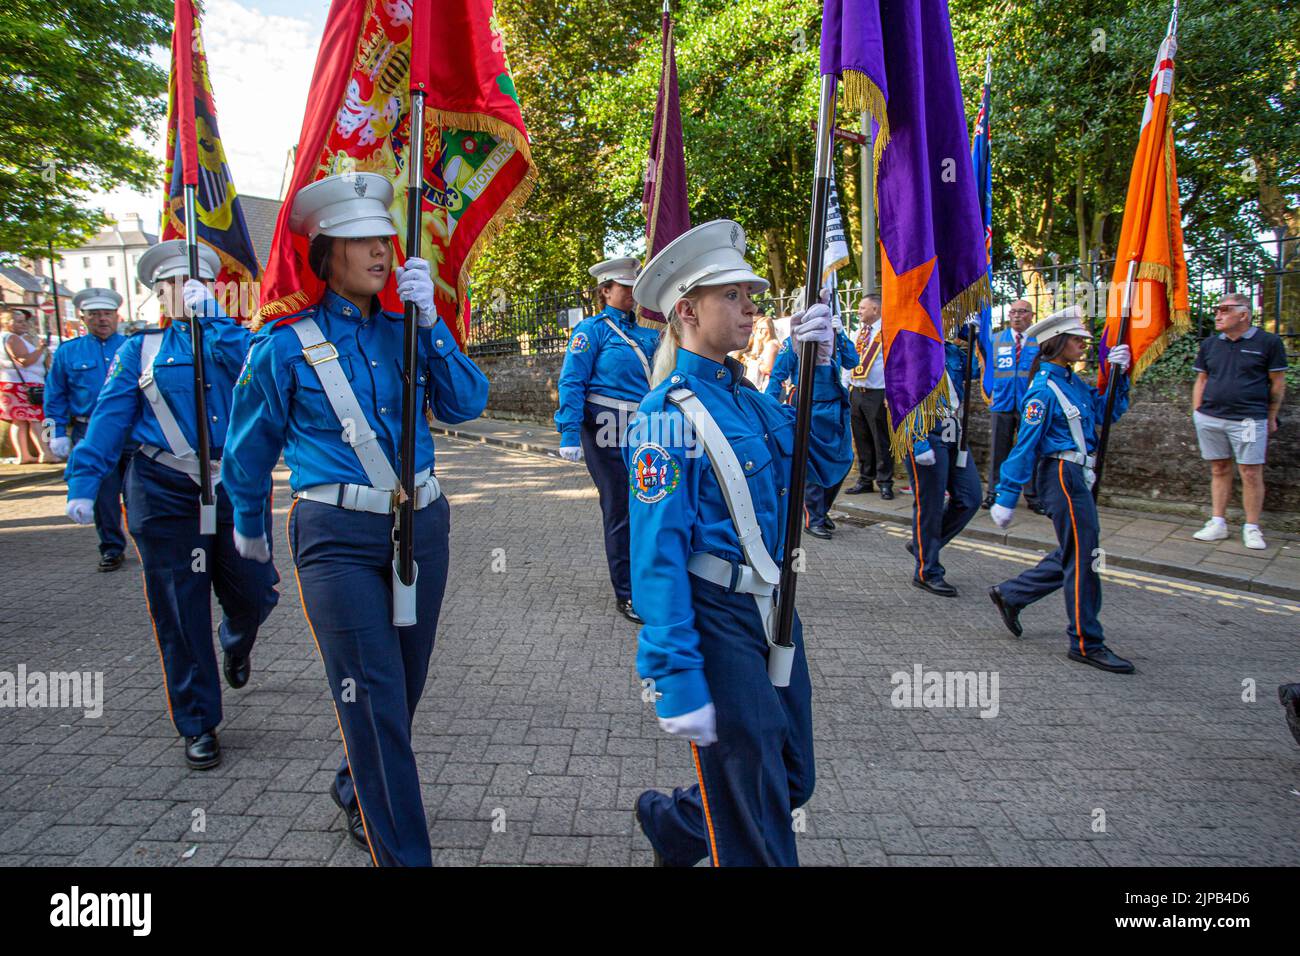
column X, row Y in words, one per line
column 1266, row 270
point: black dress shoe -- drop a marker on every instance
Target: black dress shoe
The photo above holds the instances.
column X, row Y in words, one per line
column 939, row 587
column 110, row 562
column 911, row 548
column 1289, row 695
column 356, row 829
column 886, row 492
column 204, row 751
column 1104, row 659
column 830, row 525
column 1035, row 507
column 1010, row 613
column 819, row 531
column 236, row 669
column 862, row 486
column 625, row 608
column 988, row 502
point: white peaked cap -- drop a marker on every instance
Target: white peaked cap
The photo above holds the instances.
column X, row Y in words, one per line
column 1069, row 321
column 711, row 254
column 166, row 260
column 95, row 299
column 623, row 271
column 347, row 205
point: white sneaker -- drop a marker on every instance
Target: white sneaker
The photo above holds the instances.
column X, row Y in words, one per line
column 1252, row 538
column 1213, row 531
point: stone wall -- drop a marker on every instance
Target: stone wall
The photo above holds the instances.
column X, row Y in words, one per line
column 1153, row 460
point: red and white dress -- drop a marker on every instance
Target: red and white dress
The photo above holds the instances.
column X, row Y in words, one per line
column 14, row 383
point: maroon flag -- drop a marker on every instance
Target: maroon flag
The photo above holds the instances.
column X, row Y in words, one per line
column 664, row 199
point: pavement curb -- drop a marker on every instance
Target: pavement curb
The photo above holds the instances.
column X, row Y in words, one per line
column 862, row 515
column 19, row 481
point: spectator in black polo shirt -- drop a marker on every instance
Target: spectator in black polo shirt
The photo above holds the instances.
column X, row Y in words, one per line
column 1241, row 377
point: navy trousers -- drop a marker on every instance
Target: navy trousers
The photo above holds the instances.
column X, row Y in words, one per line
column 1063, row 492
column 182, row 569
column 934, row 522
column 604, row 460
column 817, row 501
column 108, row 503
column 376, row 671
column 761, row 767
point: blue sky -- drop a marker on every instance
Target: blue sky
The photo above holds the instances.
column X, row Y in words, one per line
column 260, row 58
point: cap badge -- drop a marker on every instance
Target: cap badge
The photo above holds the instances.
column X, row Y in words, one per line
column 735, row 237
column 360, row 185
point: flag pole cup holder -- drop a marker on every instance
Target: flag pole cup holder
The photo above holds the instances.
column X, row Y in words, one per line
column 208, row 518
column 404, row 597
column 780, row 661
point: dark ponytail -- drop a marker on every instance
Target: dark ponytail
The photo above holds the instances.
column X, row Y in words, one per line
column 318, row 256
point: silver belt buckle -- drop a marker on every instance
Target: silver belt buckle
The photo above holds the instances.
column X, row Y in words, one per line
column 320, row 352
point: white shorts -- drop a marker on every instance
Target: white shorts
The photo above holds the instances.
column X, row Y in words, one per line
column 1245, row 440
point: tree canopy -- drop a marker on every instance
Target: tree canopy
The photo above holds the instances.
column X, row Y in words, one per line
column 75, row 83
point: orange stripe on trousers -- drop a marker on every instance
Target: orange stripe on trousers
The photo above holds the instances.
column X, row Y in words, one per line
column 704, row 798
column 302, row 600
column 1078, row 627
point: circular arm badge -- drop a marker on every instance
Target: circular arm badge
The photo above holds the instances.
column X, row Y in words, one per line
column 580, row 343
column 654, row 474
column 1034, row 410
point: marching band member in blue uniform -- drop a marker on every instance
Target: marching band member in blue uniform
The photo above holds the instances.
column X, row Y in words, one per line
column 78, row 372
column 705, row 556
column 1058, row 436
column 935, row 463
column 149, row 398
column 830, row 443
column 605, row 375
column 1013, row 354
column 325, row 385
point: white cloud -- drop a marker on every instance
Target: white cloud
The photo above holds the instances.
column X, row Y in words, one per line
column 260, row 66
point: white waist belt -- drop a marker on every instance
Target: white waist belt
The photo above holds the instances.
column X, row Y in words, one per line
column 188, row 466
column 373, row 500
column 1088, row 461
column 717, row 571
column 612, row 402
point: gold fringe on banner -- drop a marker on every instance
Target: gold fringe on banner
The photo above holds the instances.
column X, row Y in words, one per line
column 435, row 121
column 862, row 95
column 969, row 301
column 918, row 424
column 279, row 308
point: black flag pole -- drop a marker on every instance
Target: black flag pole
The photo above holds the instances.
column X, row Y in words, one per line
column 207, row 501
column 963, row 447
column 1112, row 382
column 404, row 567
column 782, row 652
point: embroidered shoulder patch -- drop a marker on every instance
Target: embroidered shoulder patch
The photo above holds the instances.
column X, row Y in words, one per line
column 1034, row 410
column 580, row 343
column 114, row 367
column 654, row 474
column 245, row 373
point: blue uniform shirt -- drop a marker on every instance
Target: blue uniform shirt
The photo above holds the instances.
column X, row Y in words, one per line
column 676, row 509
column 830, row 441
column 76, row 376
column 599, row 361
column 1011, row 377
column 954, row 366
column 122, row 411
column 279, row 403
column 1044, row 428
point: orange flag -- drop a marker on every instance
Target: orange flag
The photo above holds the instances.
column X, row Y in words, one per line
column 1152, row 234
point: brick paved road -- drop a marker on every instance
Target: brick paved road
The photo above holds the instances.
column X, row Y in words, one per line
column 532, row 712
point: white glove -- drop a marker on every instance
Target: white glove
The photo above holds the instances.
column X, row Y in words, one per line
column 255, row 549
column 414, row 285
column 1121, row 356
column 814, row 325
column 1001, row 516
column 925, row 458
column 61, row 446
column 81, row 510
column 571, row 453
column 700, row 727
column 836, row 325
column 198, row 298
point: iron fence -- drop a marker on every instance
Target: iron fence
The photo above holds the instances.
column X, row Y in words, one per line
column 1266, row 270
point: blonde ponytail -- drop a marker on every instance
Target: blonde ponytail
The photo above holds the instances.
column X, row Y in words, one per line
column 666, row 354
